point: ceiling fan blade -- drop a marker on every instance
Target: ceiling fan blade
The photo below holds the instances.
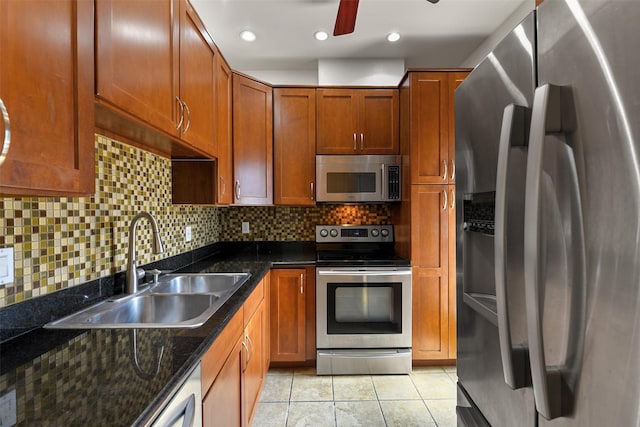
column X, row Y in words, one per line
column 346, row 18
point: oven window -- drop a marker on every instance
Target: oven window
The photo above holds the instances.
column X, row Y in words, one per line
column 351, row 182
column 356, row 308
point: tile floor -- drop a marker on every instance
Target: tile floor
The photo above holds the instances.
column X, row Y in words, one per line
column 298, row 397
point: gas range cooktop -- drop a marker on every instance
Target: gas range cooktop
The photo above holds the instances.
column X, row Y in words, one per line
column 357, row 245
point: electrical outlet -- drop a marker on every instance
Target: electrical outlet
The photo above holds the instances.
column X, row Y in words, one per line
column 6, row 266
column 245, row 227
column 8, row 409
column 187, row 233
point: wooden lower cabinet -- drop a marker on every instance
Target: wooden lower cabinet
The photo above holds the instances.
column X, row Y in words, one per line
column 222, row 405
column 234, row 368
column 430, row 315
column 254, row 371
column 292, row 321
column 433, row 257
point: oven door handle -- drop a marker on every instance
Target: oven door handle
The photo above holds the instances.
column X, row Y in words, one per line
column 364, row 273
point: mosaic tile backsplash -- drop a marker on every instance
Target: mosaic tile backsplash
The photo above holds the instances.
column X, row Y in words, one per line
column 60, row 242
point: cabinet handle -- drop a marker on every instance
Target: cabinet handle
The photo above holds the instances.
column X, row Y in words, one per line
column 313, row 193
column 249, row 352
column 362, row 141
column 223, row 187
column 446, row 201
column 444, row 175
column 301, row 283
column 246, row 359
column 6, row 141
column 237, row 189
column 179, row 125
column 453, row 199
column 355, row 142
column 453, row 170
column 186, row 128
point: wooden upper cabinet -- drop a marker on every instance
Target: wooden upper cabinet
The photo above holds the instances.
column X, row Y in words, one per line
column 46, row 85
column 197, row 84
column 155, row 66
column 137, row 68
column 224, row 127
column 252, row 141
column 432, row 137
column 294, row 142
column 357, row 121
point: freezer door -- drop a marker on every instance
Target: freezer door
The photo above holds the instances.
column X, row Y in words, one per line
column 584, row 315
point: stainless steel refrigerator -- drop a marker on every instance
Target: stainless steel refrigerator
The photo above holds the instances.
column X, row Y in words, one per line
column 548, row 222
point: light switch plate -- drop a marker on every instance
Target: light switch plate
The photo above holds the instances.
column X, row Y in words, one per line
column 245, row 227
column 187, row 234
column 6, row 266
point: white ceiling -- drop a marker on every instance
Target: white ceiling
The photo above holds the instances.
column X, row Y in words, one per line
column 433, row 35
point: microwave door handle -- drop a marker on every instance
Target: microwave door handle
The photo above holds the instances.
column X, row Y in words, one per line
column 382, row 186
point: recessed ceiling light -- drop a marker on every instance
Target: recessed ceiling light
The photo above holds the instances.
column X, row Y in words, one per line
column 248, row 36
column 320, row 35
column 393, row 37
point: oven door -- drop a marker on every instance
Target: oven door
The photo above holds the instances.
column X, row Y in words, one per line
column 363, row 308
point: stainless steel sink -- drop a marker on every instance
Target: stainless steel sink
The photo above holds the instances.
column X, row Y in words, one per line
column 207, row 283
column 177, row 301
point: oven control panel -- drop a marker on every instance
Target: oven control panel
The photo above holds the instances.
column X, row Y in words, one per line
column 354, row 233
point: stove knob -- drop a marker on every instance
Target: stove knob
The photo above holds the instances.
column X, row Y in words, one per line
column 324, row 232
column 385, row 232
column 375, row 232
column 334, row 232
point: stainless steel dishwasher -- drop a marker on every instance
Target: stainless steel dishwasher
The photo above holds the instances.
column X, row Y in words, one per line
column 184, row 408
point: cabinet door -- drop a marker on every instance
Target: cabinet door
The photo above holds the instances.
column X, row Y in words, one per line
column 337, row 121
column 46, row 84
column 222, row 405
column 252, row 142
column 430, row 211
column 429, row 128
column 137, row 64
column 454, row 81
column 197, row 84
column 378, row 121
column 288, row 314
column 294, row 152
column 254, row 367
column 224, row 188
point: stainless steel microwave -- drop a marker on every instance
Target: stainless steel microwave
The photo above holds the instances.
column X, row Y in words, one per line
column 358, row 178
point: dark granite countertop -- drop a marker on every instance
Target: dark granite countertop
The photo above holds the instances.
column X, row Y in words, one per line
column 91, row 377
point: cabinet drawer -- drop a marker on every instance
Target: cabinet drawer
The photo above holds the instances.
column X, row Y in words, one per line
column 252, row 303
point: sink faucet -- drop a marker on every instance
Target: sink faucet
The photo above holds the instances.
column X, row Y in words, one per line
column 131, row 285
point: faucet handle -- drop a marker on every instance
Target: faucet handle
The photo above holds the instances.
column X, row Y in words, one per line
column 155, row 273
column 140, row 273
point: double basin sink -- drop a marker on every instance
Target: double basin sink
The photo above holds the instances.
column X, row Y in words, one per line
column 175, row 301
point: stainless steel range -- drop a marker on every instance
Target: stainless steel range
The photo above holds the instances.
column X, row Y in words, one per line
column 363, row 302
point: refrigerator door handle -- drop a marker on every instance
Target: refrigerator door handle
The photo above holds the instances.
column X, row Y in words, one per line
column 553, row 113
column 515, row 360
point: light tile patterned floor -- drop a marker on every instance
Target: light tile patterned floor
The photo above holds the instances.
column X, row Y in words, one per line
column 426, row 397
